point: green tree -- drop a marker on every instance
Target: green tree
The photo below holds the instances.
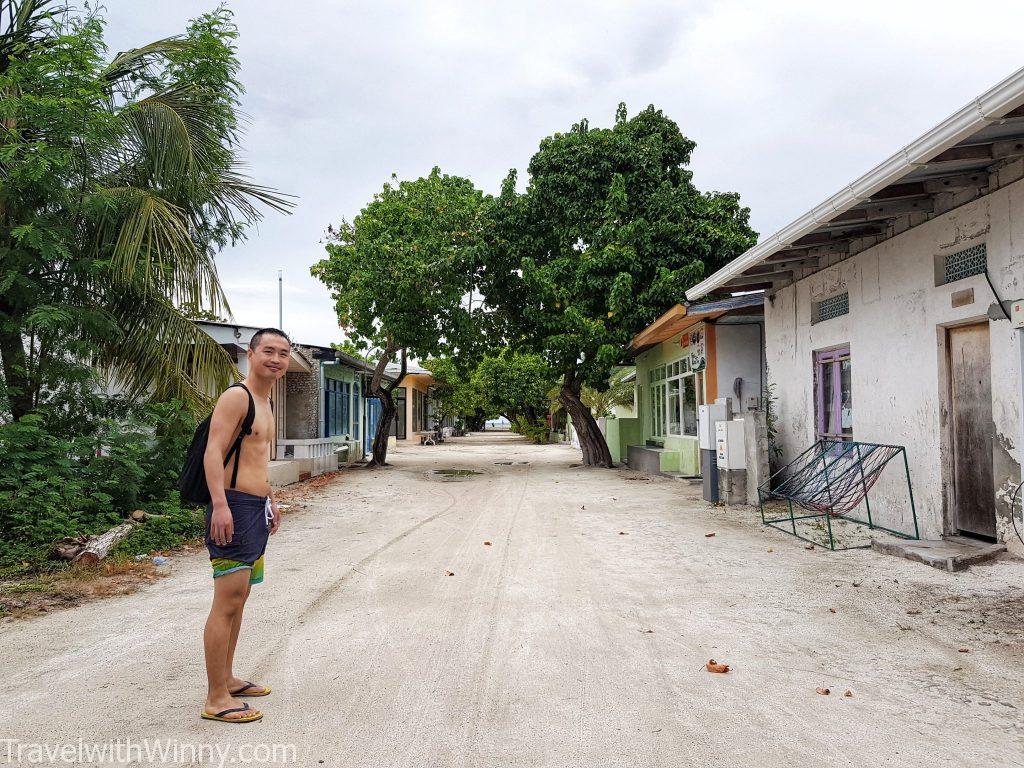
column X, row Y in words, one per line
column 399, row 274
column 454, row 393
column 515, row 385
column 119, row 181
column 609, row 232
column 602, row 402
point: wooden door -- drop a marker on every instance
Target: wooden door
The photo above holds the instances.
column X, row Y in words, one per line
column 971, row 421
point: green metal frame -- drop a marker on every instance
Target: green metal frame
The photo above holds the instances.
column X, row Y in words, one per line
column 764, row 493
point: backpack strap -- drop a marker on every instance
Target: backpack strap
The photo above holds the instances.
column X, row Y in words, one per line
column 247, row 422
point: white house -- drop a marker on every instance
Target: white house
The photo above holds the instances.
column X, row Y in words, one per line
column 886, row 318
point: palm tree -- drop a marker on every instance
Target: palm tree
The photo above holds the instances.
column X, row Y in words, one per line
column 619, row 392
column 120, row 179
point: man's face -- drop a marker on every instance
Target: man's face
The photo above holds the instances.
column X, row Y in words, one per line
column 270, row 358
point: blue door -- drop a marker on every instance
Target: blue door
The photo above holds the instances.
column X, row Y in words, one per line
column 372, row 417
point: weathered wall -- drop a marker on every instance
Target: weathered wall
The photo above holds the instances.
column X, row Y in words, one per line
column 738, row 355
column 303, row 405
column 896, row 332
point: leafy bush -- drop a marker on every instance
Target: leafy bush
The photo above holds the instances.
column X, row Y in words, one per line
column 537, row 433
column 68, row 477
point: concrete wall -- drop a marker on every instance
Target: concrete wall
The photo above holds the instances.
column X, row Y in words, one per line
column 303, row 419
column 620, row 433
column 738, row 355
column 896, row 332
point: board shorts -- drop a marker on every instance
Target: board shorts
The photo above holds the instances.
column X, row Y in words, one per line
column 251, row 516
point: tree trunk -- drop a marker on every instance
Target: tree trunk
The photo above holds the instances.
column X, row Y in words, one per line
column 592, row 442
column 92, row 549
column 383, row 392
column 380, row 437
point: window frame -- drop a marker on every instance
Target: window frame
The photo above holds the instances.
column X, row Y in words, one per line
column 829, row 364
column 662, row 396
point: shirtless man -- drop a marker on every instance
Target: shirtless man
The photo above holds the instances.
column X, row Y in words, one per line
column 239, row 520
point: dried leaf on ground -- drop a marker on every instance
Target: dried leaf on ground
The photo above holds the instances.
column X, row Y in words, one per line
column 848, row 694
column 487, row 543
column 708, row 535
column 809, row 546
column 449, row 573
column 822, row 691
column 623, row 533
column 714, row 666
column 965, row 650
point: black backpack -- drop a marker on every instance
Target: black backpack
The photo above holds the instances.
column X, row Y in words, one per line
column 192, row 484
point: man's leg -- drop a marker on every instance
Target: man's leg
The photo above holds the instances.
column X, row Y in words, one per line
column 229, row 593
column 234, row 683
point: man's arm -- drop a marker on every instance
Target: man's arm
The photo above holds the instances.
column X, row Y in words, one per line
column 224, row 425
column 276, row 522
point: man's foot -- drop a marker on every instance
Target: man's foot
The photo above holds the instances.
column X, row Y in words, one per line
column 243, row 688
column 229, row 709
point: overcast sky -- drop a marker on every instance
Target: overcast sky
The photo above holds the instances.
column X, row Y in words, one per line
column 787, row 100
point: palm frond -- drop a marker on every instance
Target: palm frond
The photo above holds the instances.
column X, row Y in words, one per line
column 137, row 62
column 163, row 353
column 148, row 244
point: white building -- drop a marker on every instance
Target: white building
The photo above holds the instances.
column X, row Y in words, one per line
column 882, row 325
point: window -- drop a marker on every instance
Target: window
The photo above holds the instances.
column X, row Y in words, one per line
column 336, row 407
column 833, row 306
column 965, row 263
column 675, row 395
column 398, row 423
column 834, row 394
column 419, row 411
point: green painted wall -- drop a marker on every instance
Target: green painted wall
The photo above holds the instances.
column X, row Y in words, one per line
column 622, row 432
column 682, row 453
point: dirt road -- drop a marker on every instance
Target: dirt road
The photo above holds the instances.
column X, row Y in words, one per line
column 577, row 638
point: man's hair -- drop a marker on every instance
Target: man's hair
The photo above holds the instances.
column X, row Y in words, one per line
column 258, row 336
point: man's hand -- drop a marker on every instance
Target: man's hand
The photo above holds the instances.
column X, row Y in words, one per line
column 222, row 525
column 276, row 522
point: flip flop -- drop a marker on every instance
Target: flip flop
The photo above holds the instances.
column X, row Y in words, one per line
column 220, row 716
column 241, row 692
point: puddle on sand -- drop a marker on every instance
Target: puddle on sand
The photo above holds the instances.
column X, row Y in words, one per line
column 452, row 474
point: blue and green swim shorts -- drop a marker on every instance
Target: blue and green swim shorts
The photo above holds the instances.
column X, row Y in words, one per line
column 251, row 516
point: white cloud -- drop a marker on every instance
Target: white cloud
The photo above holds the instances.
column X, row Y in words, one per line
column 787, row 101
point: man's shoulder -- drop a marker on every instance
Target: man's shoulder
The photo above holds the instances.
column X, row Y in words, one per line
column 234, row 398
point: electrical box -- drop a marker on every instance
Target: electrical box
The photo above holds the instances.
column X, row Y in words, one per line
column 1017, row 313
column 729, row 445
column 707, row 416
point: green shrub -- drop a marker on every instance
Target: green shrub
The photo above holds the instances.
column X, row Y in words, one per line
column 537, row 433
column 68, row 477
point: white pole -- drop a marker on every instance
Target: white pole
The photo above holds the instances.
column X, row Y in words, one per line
column 280, row 299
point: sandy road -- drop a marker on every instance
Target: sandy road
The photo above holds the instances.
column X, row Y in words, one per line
column 563, row 643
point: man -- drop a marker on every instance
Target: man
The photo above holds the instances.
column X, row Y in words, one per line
column 239, row 520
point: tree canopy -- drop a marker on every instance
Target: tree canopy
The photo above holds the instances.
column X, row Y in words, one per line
column 609, row 232
column 399, row 273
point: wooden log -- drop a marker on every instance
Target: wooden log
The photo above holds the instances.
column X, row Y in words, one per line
column 141, row 516
column 99, row 547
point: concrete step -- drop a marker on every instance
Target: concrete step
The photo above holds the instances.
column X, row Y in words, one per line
column 951, row 553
